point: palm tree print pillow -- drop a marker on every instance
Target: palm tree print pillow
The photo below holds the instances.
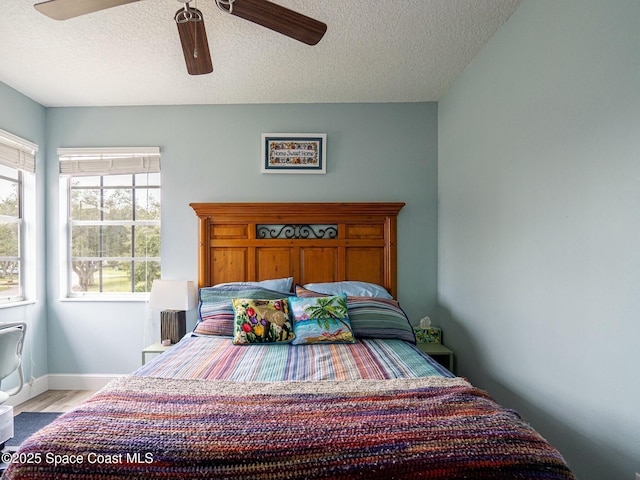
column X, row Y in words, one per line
column 321, row 320
column 261, row 321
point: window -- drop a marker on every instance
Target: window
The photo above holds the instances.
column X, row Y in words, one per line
column 113, row 220
column 17, row 166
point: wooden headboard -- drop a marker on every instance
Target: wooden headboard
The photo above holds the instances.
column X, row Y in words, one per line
column 311, row 242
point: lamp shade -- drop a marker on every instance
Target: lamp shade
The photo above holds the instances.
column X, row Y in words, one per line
column 172, row 295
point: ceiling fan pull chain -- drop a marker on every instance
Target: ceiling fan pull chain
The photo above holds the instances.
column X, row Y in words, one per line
column 228, row 5
column 195, row 36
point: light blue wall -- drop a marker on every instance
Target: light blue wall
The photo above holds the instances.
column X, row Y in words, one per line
column 25, row 118
column 539, row 226
column 375, row 152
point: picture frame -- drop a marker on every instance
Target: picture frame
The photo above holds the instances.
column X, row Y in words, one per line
column 294, row 153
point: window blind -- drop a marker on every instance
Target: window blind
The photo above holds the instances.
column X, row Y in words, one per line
column 17, row 153
column 77, row 162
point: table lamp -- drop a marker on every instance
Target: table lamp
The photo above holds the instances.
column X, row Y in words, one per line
column 173, row 298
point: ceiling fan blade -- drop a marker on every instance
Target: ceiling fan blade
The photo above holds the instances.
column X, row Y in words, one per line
column 65, row 9
column 193, row 38
column 280, row 19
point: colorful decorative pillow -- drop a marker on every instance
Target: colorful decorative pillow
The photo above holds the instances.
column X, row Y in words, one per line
column 321, row 320
column 261, row 321
column 351, row 288
column 372, row 317
column 215, row 310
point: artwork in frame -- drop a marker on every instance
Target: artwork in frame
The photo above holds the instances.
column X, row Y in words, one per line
column 294, row 153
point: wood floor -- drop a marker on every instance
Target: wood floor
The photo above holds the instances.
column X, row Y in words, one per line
column 53, row 401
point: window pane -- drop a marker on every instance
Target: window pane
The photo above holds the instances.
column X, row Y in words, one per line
column 118, row 204
column 9, row 204
column 147, row 241
column 85, row 204
column 145, row 273
column 116, row 277
column 11, row 232
column 85, row 241
column 101, row 241
column 8, row 172
column 84, row 276
column 113, row 277
column 9, row 239
column 10, row 280
column 85, row 181
column 118, row 180
column 148, row 179
column 148, row 204
column 100, row 276
column 116, row 241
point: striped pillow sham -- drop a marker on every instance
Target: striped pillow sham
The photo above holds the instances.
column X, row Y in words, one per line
column 372, row 317
column 215, row 309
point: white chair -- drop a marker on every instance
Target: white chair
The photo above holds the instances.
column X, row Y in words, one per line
column 11, row 342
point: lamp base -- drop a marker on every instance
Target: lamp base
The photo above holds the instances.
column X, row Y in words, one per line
column 173, row 325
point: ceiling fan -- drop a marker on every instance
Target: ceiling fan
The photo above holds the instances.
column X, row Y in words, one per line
column 191, row 27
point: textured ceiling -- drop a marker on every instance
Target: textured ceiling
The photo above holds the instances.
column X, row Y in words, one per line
column 373, row 51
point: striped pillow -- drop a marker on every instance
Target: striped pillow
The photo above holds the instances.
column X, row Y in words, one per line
column 215, row 309
column 373, row 317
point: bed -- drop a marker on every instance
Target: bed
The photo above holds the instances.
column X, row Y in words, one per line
column 274, row 382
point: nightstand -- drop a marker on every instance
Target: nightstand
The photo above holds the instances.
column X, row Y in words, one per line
column 439, row 353
column 155, row 348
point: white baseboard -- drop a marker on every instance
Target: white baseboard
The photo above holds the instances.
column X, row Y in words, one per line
column 79, row 381
column 60, row 382
column 29, row 390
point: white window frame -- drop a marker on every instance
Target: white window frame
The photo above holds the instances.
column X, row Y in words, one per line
column 77, row 162
column 19, row 154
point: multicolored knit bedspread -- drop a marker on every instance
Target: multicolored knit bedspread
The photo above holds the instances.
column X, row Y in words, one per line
column 434, row 428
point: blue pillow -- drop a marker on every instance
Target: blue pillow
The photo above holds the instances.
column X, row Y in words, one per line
column 278, row 284
column 351, row 288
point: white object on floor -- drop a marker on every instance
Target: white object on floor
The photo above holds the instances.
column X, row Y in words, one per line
column 6, row 423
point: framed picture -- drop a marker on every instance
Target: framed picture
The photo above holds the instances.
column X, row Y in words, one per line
column 294, row 153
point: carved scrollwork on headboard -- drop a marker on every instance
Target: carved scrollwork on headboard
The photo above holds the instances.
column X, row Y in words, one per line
column 297, row 231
